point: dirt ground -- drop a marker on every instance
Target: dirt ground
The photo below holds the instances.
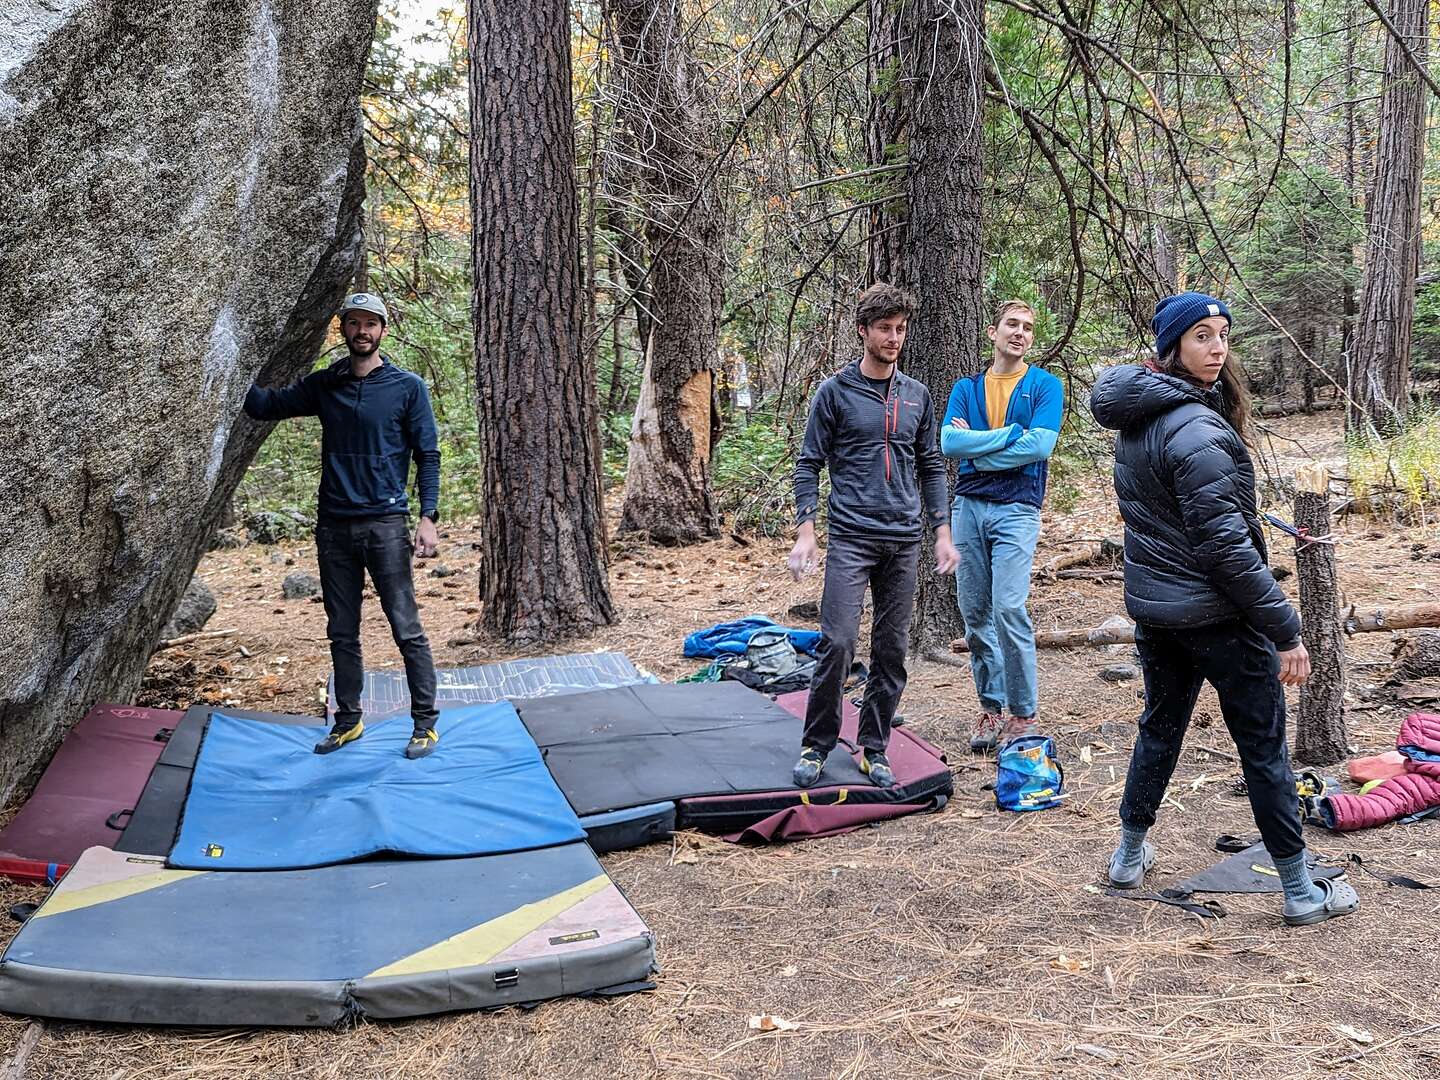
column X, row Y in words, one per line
column 967, row 943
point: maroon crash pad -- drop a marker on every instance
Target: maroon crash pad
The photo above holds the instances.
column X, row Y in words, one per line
column 98, row 772
column 922, row 782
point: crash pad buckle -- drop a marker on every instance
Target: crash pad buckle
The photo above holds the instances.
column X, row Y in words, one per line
column 504, row 980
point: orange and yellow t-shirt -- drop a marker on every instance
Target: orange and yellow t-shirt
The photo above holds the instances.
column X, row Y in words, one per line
column 998, row 389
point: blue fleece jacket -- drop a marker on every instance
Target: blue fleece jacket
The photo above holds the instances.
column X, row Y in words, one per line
column 1009, row 464
column 371, row 428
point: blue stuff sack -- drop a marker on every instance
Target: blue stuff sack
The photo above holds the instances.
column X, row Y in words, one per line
column 1030, row 776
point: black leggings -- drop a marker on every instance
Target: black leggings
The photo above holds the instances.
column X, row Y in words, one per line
column 1242, row 666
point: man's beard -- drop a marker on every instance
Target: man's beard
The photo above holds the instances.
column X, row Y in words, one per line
column 363, row 350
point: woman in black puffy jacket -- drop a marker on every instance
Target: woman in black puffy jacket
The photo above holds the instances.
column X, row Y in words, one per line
column 1205, row 604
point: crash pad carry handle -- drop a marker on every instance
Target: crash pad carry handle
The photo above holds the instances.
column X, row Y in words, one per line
column 113, row 821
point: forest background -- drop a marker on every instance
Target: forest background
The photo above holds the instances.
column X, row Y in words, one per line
column 1130, row 148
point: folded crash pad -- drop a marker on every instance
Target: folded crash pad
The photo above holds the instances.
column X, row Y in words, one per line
column 386, row 693
column 88, row 790
column 262, row 799
column 722, row 751
column 125, row 939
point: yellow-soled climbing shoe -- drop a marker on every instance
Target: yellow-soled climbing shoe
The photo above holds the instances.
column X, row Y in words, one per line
column 339, row 736
column 421, row 743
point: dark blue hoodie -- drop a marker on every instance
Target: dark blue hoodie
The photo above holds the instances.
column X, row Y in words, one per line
column 371, row 427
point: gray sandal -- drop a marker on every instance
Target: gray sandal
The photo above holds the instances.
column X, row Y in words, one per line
column 1340, row 899
column 1133, row 876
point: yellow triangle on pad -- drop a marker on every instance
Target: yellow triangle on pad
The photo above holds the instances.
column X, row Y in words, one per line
column 489, row 939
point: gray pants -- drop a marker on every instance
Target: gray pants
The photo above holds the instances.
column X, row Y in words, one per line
column 347, row 549
column 889, row 568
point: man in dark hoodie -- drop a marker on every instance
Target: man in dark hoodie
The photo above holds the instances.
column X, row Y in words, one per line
column 375, row 417
column 874, row 429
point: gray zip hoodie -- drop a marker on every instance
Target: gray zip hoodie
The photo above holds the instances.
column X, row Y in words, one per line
column 883, row 454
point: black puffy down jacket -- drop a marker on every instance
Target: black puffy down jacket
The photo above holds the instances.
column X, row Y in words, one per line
column 1194, row 549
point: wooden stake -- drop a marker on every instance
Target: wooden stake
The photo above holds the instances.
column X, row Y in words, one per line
column 1320, row 735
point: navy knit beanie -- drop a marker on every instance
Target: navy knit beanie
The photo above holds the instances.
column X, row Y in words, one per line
column 1176, row 314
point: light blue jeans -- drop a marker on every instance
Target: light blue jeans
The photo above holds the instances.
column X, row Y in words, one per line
column 996, row 542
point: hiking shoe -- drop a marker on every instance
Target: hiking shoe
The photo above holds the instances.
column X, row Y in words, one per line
column 874, row 765
column 1018, row 726
column 807, row 769
column 987, row 731
column 1123, row 875
column 339, row 736
column 421, row 743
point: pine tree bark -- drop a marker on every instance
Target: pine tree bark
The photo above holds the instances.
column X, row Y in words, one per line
column 668, row 493
column 543, row 570
column 1320, row 735
column 1380, row 366
column 884, row 141
column 942, row 241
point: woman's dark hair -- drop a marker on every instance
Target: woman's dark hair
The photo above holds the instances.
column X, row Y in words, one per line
column 1235, row 403
column 882, row 301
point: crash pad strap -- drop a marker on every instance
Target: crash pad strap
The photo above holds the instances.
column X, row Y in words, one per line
column 1205, row 909
column 1389, row 879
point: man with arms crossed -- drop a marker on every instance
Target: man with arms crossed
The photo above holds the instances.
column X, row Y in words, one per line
column 874, row 429
column 374, row 417
column 1002, row 425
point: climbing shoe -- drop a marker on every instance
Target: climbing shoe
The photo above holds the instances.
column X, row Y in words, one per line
column 339, row 736
column 421, row 743
column 987, row 731
column 807, row 769
column 874, row 765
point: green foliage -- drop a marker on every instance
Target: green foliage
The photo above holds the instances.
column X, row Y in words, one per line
column 753, row 470
column 1406, row 465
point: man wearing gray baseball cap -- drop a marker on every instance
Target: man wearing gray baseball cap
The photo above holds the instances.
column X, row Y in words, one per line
column 375, row 417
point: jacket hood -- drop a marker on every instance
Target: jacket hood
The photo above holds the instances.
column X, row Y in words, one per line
column 1128, row 395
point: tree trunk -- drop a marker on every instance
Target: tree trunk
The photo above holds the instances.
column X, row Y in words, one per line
column 1320, row 736
column 884, row 141
column 942, row 242
column 677, row 419
column 543, row 571
column 1380, row 383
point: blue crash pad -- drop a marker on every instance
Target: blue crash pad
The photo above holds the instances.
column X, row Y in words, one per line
column 262, row 799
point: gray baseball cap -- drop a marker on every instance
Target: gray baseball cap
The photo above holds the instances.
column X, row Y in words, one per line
column 365, row 301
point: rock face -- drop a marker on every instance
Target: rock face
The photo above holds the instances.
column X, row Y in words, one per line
column 180, row 200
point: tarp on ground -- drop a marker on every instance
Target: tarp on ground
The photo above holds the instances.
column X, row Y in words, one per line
column 262, row 799
column 386, row 693
column 125, row 939
column 722, row 751
column 87, row 792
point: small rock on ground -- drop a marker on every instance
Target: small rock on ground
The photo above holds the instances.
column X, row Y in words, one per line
column 297, row 586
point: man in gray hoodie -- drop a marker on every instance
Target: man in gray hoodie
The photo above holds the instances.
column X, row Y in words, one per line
column 874, row 429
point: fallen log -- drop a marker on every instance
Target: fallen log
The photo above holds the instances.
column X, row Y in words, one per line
column 1091, row 575
column 204, row 635
column 1067, row 639
column 1356, row 622
column 1091, row 552
column 1406, row 618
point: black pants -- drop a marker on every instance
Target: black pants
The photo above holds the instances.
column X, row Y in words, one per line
column 382, row 545
column 1242, row 666
column 889, row 568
